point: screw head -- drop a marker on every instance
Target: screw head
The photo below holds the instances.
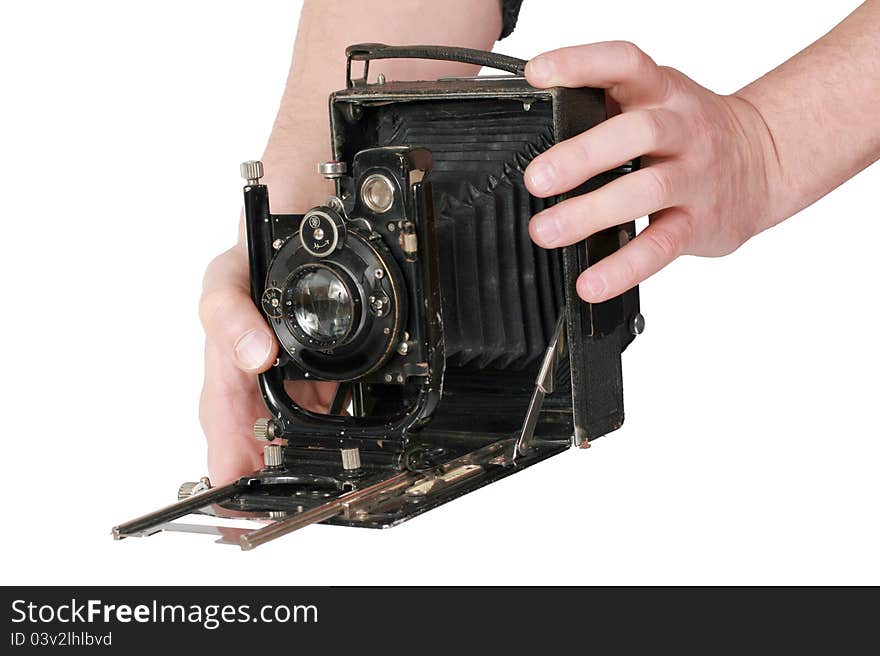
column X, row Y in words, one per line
column 637, row 324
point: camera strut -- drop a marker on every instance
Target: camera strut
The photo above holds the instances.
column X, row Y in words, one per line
column 544, row 385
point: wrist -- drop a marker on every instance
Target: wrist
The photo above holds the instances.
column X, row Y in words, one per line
column 760, row 161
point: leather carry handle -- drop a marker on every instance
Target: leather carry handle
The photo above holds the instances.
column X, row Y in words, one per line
column 367, row 52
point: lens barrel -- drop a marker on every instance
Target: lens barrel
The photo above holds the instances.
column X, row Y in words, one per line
column 335, row 317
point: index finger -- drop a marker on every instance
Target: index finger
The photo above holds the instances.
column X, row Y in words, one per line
column 630, row 76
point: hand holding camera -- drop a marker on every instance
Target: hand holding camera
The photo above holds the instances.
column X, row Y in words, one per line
column 239, row 345
column 708, row 166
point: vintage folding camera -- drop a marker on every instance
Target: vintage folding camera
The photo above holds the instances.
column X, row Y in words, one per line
column 461, row 350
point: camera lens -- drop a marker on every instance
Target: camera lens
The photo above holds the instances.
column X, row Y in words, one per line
column 322, row 305
column 333, row 316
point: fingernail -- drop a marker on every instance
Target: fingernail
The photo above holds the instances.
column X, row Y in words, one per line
column 546, row 228
column 540, row 176
column 592, row 285
column 539, row 69
column 252, row 349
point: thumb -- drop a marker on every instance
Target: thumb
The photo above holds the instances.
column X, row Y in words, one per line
column 231, row 320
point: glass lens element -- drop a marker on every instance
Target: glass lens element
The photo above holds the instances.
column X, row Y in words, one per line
column 378, row 193
column 322, row 306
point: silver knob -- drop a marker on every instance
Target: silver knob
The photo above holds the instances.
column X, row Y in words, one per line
column 637, row 324
column 332, row 169
column 351, row 459
column 264, row 429
column 273, row 455
column 252, row 171
column 190, row 488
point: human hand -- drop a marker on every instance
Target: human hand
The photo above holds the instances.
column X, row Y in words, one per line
column 238, row 346
column 708, row 166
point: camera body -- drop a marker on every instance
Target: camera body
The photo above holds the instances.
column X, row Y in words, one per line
column 461, row 350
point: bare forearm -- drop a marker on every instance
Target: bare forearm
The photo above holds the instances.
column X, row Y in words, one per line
column 300, row 137
column 820, row 108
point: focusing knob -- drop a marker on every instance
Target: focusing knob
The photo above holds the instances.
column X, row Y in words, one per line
column 252, row 171
column 265, row 429
column 322, row 231
column 190, row 488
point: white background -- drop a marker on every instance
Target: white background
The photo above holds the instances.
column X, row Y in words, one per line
column 750, row 450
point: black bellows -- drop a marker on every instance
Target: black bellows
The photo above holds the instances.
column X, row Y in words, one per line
column 501, row 294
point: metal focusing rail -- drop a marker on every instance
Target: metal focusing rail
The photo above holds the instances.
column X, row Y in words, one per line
column 349, row 504
column 358, row 502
